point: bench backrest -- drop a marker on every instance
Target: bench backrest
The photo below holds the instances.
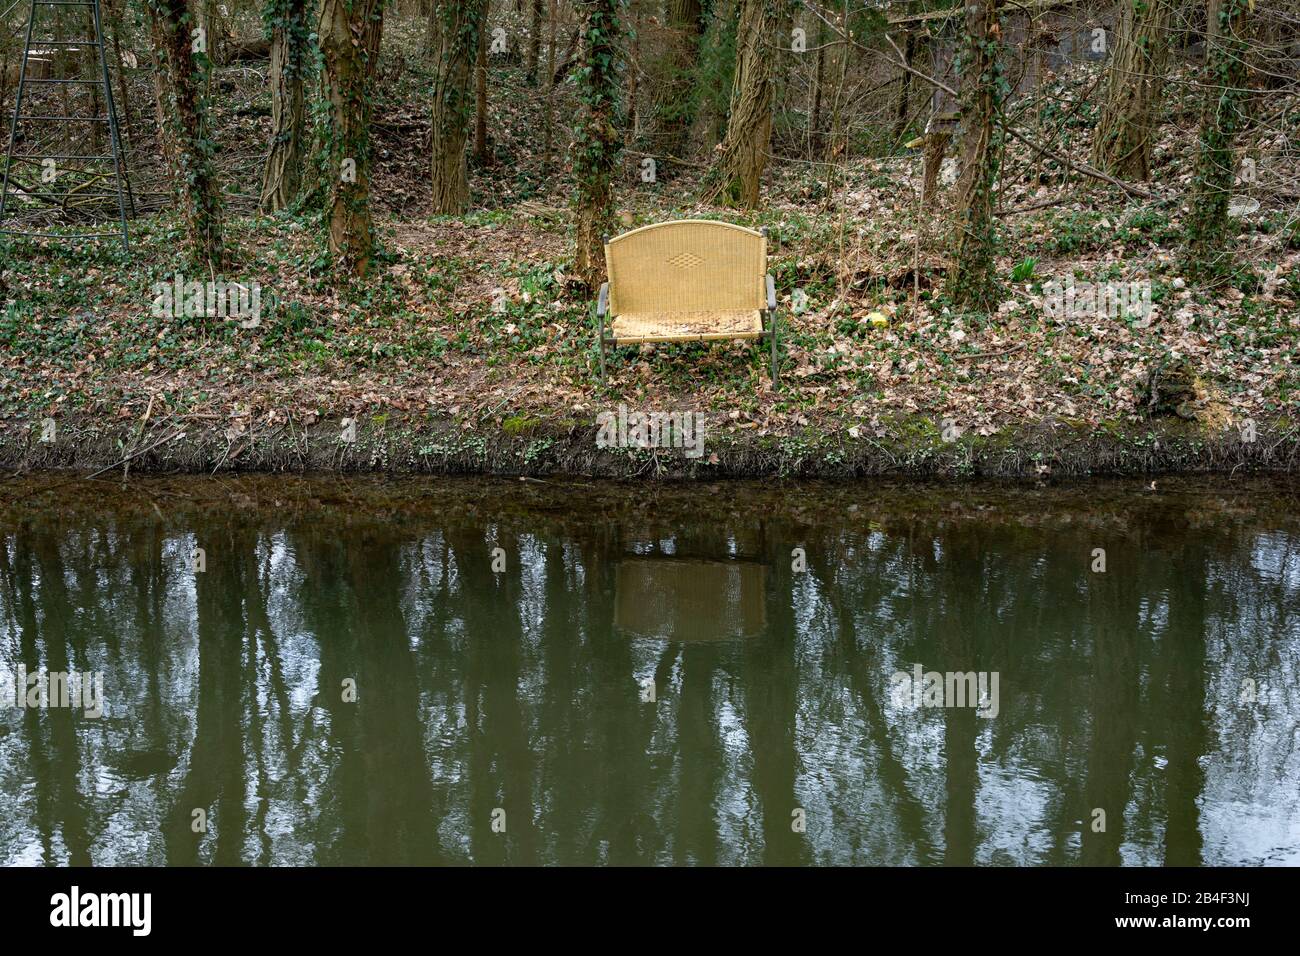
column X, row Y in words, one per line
column 692, row 265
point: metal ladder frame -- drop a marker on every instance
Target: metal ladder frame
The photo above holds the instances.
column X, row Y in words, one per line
column 123, row 181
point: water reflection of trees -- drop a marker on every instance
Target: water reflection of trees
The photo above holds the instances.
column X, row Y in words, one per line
column 480, row 690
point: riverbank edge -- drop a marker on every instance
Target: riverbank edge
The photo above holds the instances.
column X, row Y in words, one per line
column 912, row 447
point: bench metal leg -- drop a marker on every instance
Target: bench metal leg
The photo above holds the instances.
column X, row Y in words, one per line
column 772, row 323
column 600, row 333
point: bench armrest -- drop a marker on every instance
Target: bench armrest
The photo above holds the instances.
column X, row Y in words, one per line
column 602, row 304
column 771, row 293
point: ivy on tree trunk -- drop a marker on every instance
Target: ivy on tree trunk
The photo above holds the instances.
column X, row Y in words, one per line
column 534, row 41
column 742, row 157
column 972, row 281
column 1135, row 80
column 1225, row 82
column 184, row 66
column 677, row 97
column 282, row 175
column 596, row 140
column 350, row 33
column 458, row 29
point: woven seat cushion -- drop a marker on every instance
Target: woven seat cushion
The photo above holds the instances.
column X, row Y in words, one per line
column 688, row 326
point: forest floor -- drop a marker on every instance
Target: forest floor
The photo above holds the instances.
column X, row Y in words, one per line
column 468, row 348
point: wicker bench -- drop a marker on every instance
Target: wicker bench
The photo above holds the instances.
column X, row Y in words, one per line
column 693, row 280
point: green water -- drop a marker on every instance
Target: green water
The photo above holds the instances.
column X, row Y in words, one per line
column 502, row 708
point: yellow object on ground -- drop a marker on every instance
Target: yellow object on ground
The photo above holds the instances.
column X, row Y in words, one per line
column 691, row 280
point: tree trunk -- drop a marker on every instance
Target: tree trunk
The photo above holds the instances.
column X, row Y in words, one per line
column 89, row 66
column 283, row 172
column 458, row 28
column 534, row 42
column 633, row 69
column 904, row 88
column 350, row 34
column 123, row 103
column 1135, row 79
column 596, row 145
column 160, row 115
column 181, row 78
column 676, row 106
column 548, row 111
column 815, row 95
column 784, row 58
column 5, row 57
column 480, row 101
column 743, row 156
column 61, row 67
column 837, row 142
column 210, row 20
column 1225, row 81
column 936, row 144
column 717, row 64
column 972, row 282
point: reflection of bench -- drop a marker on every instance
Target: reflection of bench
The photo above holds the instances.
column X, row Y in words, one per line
column 684, row 599
column 688, row 281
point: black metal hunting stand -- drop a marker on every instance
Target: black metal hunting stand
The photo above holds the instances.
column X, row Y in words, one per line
column 54, row 163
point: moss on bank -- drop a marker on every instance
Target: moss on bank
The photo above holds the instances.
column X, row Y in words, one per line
column 394, row 444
